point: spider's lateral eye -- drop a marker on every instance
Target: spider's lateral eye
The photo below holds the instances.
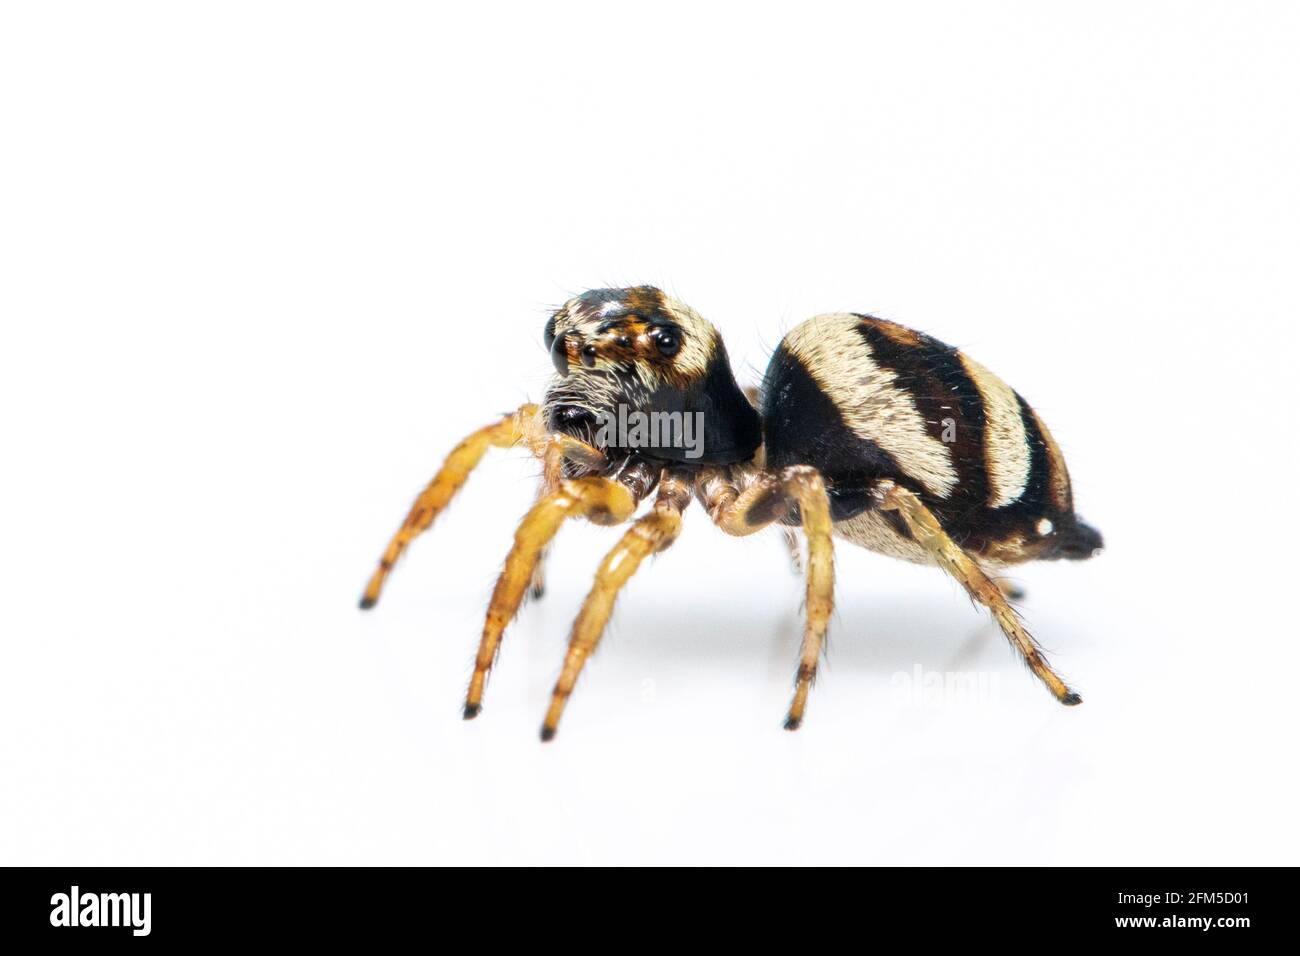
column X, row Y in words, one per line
column 548, row 333
column 667, row 341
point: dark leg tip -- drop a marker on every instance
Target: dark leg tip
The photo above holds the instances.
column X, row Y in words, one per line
column 472, row 711
column 1015, row 593
column 547, row 734
column 367, row 603
column 538, row 591
column 1071, row 699
column 792, row 723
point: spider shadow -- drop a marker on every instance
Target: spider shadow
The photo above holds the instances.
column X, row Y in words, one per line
column 869, row 636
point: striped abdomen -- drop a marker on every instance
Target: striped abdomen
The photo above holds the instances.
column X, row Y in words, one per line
column 862, row 399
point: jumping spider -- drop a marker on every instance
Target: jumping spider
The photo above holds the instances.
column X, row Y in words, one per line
column 865, row 430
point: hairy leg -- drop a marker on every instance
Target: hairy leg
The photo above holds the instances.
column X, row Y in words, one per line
column 653, row 532
column 929, row 533
column 552, row 472
column 524, row 426
column 768, row 498
column 600, row 500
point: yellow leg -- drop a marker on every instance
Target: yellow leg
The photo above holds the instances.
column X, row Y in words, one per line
column 598, row 499
column 929, row 534
column 552, row 472
column 766, row 500
column 653, row 532
column 523, row 426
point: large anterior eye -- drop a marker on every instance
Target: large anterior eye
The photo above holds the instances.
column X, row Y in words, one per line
column 548, row 333
column 668, row 341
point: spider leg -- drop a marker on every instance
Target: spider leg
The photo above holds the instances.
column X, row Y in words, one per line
column 769, row 498
column 600, row 500
column 552, row 472
column 653, row 532
column 537, row 583
column 524, row 426
column 925, row 528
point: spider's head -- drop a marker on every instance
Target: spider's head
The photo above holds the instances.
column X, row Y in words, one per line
column 629, row 359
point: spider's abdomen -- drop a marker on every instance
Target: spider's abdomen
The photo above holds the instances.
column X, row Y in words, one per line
column 863, row 399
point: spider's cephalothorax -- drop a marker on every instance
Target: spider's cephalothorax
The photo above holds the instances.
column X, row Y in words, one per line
column 869, row 431
column 622, row 353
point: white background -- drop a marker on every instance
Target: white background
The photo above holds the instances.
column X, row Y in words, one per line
column 262, row 265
